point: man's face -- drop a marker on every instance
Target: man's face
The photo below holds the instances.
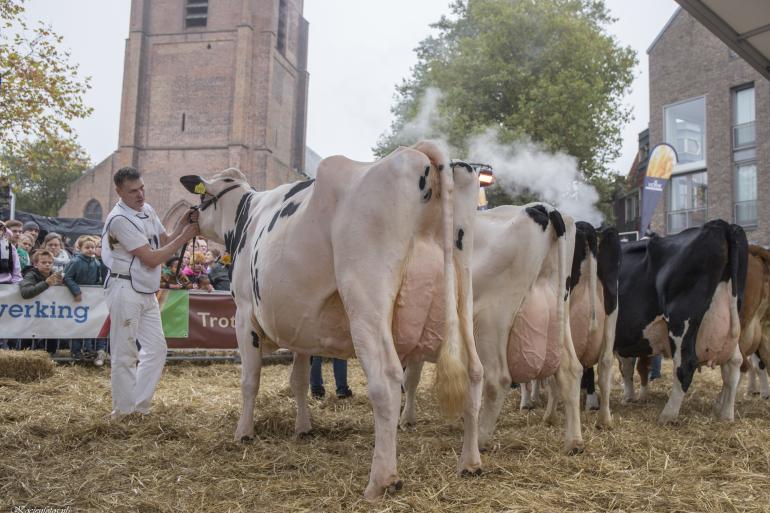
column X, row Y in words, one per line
column 132, row 193
column 15, row 234
column 44, row 264
column 32, row 234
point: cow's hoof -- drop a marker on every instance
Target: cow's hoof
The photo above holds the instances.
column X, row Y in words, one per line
column 666, row 419
column 471, row 472
column 408, row 426
column 604, row 424
column 244, row 439
column 628, row 400
column 574, row 451
column 527, row 407
column 304, row 435
column 394, row 487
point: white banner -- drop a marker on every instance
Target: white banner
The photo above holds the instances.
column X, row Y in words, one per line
column 52, row 314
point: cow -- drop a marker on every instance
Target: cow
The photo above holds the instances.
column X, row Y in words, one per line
column 520, row 268
column 593, row 312
column 368, row 259
column 679, row 296
column 754, row 316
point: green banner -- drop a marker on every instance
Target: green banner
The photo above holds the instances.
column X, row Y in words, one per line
column 175, row 313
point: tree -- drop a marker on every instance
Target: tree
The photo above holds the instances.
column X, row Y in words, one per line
column 543, row 70
column 41, row 171
column 40, row 91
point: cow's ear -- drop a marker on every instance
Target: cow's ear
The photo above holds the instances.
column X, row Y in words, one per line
column 193, row 183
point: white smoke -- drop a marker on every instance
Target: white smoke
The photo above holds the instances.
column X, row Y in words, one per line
column 519, row 167
column 526, row 167
column 427, row 122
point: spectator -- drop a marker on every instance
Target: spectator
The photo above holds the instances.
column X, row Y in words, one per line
column 168, row 278
column 219, row 272
column 203, row 283
column 15, row 227
column 212, row 256
column 84, row 269
column 31, row 230
column 200, row 245
column 10, row 270
column 25, row 246
column 196, row 268
column 36, row 281
column 103, row 272
column 340, row 367
column 54, row 243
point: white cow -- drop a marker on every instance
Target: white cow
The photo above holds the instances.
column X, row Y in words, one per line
column 371, row 259
column 520, row 267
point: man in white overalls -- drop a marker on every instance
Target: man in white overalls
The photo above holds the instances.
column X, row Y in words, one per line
column 134, row 245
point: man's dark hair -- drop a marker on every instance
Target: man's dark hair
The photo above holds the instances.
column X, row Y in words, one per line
column 125, row 174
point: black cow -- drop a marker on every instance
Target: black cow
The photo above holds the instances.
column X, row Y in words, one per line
column 680, row 296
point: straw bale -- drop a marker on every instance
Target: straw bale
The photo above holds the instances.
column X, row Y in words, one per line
column 58, row 448
column 25, row 366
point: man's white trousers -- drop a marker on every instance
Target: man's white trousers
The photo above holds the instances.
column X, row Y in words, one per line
column 134, row 373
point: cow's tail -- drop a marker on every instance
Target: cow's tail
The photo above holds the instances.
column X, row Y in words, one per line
column 593, row 254
column 452, row 366
column 557, row 222
column 738, row 261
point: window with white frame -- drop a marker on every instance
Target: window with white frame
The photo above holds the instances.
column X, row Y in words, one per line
column 687, row 201
column 632, row 207
column 685, row 130
column 744, row 156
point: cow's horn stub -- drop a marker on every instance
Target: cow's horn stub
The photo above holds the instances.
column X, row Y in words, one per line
column 193, row 183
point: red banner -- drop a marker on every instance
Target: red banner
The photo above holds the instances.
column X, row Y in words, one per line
column 211, row 322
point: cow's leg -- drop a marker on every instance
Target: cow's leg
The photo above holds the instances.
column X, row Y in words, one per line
column 411, row 380
column 470, row 457
column 526, row 402
column 589, row 383
column 300, row 379
column 497, row 383
column 549, row 416
column 627, row 372
column 681, row 336
column 643, row 369
column 250, row 350
column 731, row 375
column 568, row 379
column 752, row 373
column 376, row 352
column 537, row 391
column 605, row 370
column 762, row 371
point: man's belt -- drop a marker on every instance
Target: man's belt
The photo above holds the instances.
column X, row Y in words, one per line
column 121, row 276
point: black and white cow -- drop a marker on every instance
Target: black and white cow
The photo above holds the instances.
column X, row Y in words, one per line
column 680, row 296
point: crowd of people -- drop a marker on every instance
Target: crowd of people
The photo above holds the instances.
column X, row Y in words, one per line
column 36, row 262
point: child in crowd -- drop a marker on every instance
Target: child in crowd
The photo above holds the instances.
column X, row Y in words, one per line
column 31, row 229
column 204, row 283
column 25, row 244
column 37, row 280
column 84, row 269
column 196, row 268
column 219, row 271
column 168, row 278
column 54, row 243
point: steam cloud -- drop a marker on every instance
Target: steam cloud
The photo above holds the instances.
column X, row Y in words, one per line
column 520, row 167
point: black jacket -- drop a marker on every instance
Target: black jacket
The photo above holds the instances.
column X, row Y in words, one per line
column 33, row 284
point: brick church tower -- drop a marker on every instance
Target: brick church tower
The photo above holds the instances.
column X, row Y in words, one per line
column 207, row 84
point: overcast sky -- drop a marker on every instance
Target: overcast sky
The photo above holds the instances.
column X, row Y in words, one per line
column 359, row 51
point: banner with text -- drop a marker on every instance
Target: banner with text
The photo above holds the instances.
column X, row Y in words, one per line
column 191, row 320
column 659, row 169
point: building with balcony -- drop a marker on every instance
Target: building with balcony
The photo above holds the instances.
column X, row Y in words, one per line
column 714, row 109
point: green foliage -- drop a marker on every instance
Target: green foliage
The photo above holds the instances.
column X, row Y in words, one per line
column 542, row 70
column 40, row 173
column 40, row 91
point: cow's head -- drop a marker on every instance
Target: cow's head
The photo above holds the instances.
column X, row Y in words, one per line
column 219, row 197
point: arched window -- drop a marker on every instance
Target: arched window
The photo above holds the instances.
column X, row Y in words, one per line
column 173, row 214
column 93, row 210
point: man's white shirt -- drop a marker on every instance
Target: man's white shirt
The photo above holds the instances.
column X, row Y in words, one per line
column 125, row 230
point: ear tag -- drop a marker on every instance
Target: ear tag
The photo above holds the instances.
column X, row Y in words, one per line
column 200, row 188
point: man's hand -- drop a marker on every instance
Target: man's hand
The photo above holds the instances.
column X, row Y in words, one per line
column 190, row 231
column 79, row 298
column 190, row 216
